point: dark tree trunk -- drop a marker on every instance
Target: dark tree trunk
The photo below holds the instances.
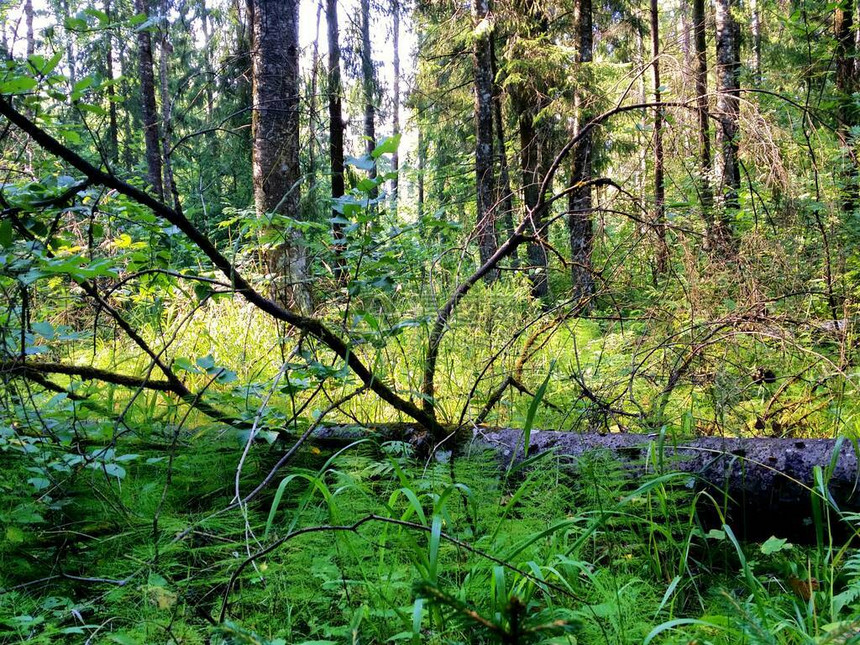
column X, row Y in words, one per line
column 530, row 158
column 151, row 133
column 395, row 158
column 662, row 259
column 113, row 121
column 579, row 202
column 504, row 194
column 528, row 104
column 728, row 106
column 764, row 484
column 369, row 87
column 311, row 171
column 336, row 127
column 275, row 88
column 701, row 84
column 169, row 185
column 846, row 86
column 484, row 178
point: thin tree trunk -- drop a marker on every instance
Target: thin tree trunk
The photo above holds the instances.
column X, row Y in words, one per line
column 505, row 196
column 642, row 166
column 28, row 20
column 530, row 164
column 336, row 127
column 701, row 85
column 422, row 161
column 662, row 259
column 484, row 176
column 579, row 202
column 395, row 158
column 151, row 134
column 755, row 28
column 728, row 107
column 113, row 124
column 70, row 50
column 275, row 89
column 170, row 190
column 312, row 112
column 846, row 86
column 369, row 87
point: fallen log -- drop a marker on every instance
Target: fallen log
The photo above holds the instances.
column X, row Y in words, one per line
column 766, row 486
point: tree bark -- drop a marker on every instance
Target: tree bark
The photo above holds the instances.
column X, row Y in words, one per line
column 528, row 103
column 369, row 88
column 530, row 144
column 728, row 107
column 113, row 121
column 765, row 483
column 579, row 202
column 395, row 116
column 275, row 123
column 504, row 194
column 422, row 162
column 662, row 256
column 170, row 191
column 336, row 128
column 846, row 86
column 151, row 130
column 755, row 28
column 484, row 177
column 70, row 50
column 706, row 197
column 28, row 20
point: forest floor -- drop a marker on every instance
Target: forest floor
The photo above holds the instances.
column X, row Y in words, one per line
column 539, row 553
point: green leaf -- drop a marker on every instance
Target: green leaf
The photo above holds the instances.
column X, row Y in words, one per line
column 115, row 470
column 206, row 362
column 5, row 233
column 386, row 146
column 185, row 365
column 17, row 85
column 44, row 329
column 774, row 545
column 362, row 163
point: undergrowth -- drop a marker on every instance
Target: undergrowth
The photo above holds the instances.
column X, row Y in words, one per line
column 462, row 552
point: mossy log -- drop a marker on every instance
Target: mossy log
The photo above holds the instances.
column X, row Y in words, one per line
column 765, row 485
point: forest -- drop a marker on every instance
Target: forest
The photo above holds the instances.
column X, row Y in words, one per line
column 380, row 321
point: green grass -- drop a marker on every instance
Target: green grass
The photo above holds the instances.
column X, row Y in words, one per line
column 627, row 560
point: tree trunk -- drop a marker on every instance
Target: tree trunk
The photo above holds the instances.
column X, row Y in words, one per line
column 846, row 86
column 422, row 162
column 369, row 87
column 395, row 158
column 484, row 178
column 504, row 194
column 169, row 186
column 532, row 177
column 701, row 87
column 275, row 123
column 113, row 122
column 70, row 50
column 151, row 134
column 755, row 28
column 763, row 483
column 336, row 127
column 311, row 171
column 28, row 20
column 662, row 260
column 579, row 202
column 728, row 107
